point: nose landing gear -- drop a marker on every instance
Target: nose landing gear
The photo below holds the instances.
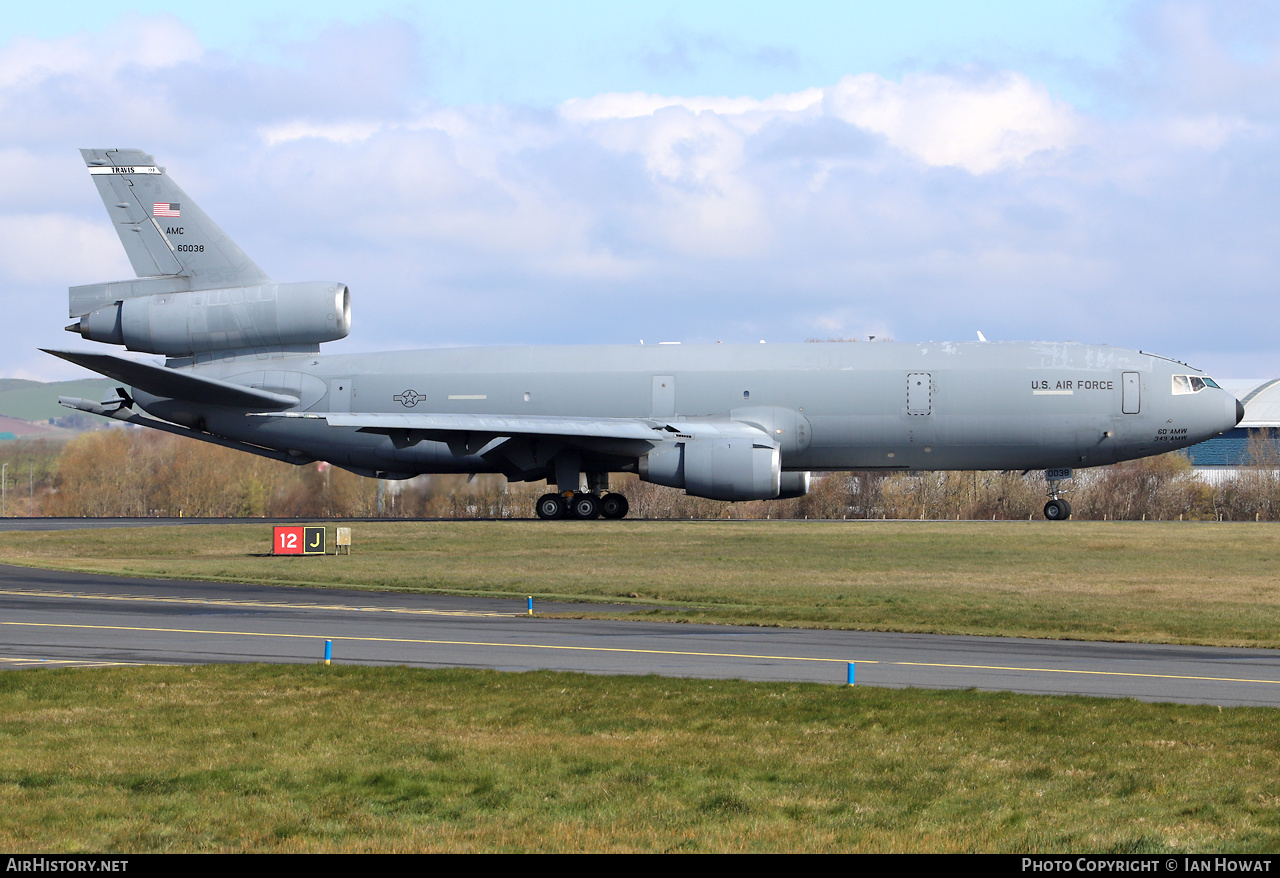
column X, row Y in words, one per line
column 1057, row 509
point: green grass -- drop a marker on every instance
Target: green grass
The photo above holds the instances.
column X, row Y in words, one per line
column 1163, row 582
column 288, row 758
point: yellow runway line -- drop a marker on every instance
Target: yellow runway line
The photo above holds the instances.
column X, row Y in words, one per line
column 785, row 658
column 23, row 661
column 634, row 651
column 275, row 605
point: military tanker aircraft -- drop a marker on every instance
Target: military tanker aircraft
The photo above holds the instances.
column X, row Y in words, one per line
column 725, row 421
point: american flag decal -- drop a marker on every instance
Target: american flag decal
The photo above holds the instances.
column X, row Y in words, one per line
column 164, row 208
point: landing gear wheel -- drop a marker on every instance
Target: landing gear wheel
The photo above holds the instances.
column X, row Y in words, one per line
column 551, row 507
column 585, row 506
column 614, row 506
column 1057, row 510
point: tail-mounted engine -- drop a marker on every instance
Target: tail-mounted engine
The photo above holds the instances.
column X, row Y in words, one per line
column 183, row 323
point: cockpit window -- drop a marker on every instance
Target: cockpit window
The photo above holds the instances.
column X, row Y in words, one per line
column 1191, row 384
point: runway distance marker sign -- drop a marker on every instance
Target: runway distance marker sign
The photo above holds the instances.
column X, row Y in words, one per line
column 298, row 540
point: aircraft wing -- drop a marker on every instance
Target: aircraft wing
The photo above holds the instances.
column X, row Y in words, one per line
column 525, row 442
column 447, row 426
column 174, row 384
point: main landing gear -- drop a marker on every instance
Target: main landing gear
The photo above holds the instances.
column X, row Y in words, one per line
column 582, row 505
column 1057, row 509
column 570, row 501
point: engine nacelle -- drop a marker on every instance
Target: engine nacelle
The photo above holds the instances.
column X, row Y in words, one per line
column 185, row 323
column 793, row 485
column 790, row 429
column 719, row 468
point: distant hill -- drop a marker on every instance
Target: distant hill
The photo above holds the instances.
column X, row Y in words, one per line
column 16, row 428
column 37, row 401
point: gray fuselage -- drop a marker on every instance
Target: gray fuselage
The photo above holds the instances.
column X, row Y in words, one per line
column 832, row 406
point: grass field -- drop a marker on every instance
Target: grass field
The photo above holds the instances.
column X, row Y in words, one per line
column 287, row 758
column 1164, row 582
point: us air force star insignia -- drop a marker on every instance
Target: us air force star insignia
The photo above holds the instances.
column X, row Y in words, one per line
column 409, row 398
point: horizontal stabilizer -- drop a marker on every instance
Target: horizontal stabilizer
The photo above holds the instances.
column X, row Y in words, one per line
column 172, row 384
column 123, row 413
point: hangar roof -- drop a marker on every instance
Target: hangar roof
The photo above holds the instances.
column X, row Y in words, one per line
column 1261, row 398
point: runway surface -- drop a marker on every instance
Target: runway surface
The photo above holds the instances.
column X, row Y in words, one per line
column 55, row 619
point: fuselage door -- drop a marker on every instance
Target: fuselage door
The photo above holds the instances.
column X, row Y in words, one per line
column 919, row 393
column 1132, row 392
column 664, row 396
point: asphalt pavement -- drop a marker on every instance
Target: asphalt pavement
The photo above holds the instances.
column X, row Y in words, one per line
column 52, row 619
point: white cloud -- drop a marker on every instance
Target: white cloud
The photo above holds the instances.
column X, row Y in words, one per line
column 53, row 249
column 338, row 132
column 924, row 207
column 616, row 105
column 1208, row 132
column 148, row 43
column 981, row 125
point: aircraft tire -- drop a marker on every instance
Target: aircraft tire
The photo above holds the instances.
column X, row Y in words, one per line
column 551, row 507
column 1057, row 510
column 614, row 506
column 584, row 506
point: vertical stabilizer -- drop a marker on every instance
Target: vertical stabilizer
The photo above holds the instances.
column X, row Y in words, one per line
column 163, row 232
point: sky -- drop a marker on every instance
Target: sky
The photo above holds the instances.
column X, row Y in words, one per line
column 581, row 173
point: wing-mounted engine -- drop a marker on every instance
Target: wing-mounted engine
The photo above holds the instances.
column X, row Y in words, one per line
column 724, row 462
column 794, row 484
column 788, row 427
column 179, row 324
column 793, row 433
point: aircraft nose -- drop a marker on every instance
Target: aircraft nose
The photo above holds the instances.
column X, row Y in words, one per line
column 1239, row 411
